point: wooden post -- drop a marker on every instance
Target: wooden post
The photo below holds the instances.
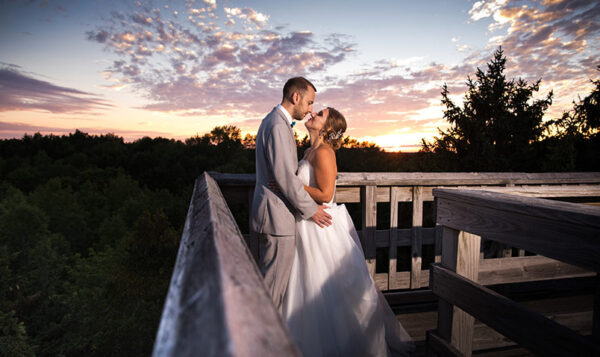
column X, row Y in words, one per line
column 461, row 254
column 368, row 198
column 416, row 240
column 393, row 254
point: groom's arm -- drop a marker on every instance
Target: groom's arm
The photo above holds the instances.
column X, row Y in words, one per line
column 284, row 171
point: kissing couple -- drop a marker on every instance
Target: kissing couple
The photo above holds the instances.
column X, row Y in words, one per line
column 309, row 251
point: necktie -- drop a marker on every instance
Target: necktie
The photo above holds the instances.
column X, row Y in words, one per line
column 293, row 123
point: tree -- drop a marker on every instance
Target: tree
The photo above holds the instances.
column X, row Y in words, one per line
column 497, row 125
column 584, row 120
column 573, row 140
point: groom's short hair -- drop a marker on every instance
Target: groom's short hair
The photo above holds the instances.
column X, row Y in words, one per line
column 296, row 84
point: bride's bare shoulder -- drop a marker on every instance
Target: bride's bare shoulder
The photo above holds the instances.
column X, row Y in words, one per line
column 325, row 154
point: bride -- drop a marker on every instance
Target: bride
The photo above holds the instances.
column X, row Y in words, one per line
column 332, row 306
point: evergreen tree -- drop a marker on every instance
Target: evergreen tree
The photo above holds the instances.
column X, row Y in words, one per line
column 497, row 124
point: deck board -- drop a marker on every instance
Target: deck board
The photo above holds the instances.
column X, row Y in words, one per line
column 574, row 312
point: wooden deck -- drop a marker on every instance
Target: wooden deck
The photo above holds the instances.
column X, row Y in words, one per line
column 557, row 292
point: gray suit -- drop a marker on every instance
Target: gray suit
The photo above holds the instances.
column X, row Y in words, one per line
column 273, row 214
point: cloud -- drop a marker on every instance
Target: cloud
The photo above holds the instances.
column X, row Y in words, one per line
column 197, row 64
column 194, row 63
column 555, row 40
column 19, row 91
column 251, row 15
column 552, row 38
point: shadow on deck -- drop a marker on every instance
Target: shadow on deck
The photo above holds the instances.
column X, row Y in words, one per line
column 465, row 303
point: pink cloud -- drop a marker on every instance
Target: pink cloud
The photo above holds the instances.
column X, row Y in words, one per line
column 19, row 91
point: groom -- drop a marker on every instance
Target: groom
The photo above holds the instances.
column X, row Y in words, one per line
column 272, row 218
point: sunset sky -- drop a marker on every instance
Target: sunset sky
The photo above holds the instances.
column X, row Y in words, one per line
column 179, row 68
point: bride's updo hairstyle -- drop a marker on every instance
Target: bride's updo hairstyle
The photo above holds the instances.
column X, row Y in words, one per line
column 334, row 128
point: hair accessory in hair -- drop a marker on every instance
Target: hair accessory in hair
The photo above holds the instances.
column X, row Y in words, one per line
column 334, row 135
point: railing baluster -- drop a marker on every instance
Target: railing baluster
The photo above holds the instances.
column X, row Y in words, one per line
column 368, row 198
column 417, row 240
column 460, row 254
column 393, row 254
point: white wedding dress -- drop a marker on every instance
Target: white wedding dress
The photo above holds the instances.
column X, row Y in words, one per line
column 332, row 306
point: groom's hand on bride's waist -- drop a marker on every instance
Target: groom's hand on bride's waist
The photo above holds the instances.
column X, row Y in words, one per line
column 273, row 186
column 322, row 218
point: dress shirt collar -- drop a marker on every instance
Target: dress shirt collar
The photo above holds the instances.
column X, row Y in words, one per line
column 285, row 113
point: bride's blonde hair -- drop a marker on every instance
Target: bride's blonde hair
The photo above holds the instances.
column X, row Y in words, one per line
column 334, row 128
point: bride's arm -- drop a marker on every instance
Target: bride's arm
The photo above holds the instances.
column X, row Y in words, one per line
column 325, row 170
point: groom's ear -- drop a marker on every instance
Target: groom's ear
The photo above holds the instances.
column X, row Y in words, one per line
column 295, row 98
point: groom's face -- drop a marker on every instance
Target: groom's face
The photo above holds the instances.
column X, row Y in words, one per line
column 305, row 104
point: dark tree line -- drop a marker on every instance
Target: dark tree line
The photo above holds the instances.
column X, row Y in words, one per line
column 500, row 128
column 90, row 225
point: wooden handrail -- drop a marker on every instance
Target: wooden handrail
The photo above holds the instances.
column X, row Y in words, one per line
column 564, row 231
column 217, row 304
column 416, row 188
column 560, row 230
column 436, row 178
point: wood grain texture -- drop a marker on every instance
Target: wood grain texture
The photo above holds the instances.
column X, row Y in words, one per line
column 502, row 271
column 437, row 346
column 217, row 303
column 561, row 230
column 417, row 240
column 445, row 308
column 369, row 225
column 467, row 265
column 436, row 178
column 393, row 239
column 529, row 329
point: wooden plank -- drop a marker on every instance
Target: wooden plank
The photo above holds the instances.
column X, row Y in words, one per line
column 369, row 223
column 217, row 302
column 529, row 329
column 252, row 239
column 416, row 242
column 345, row 194
column 437, row 346
column 503, row 271
column 529, row 268
column 465, row 178
column 436, row 178
column 467, row 265
column 546, row 191
column 393, row 238
column 445, row 309
column 560, row 230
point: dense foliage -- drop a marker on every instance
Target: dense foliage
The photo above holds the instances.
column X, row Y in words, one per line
column 500, row 128
column 90, row 225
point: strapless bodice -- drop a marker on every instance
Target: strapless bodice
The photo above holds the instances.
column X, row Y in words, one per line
column 307, row 175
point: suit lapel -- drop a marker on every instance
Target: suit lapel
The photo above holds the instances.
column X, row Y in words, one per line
column 281, row 116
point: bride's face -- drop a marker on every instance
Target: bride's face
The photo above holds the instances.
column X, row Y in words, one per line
column 317, row 122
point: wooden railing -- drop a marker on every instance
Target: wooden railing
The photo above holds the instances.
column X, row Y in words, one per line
column 563, row 231
column 217, row 304
column 415, row 189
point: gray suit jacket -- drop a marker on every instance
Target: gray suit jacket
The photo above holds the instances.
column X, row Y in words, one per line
column 276, row 159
